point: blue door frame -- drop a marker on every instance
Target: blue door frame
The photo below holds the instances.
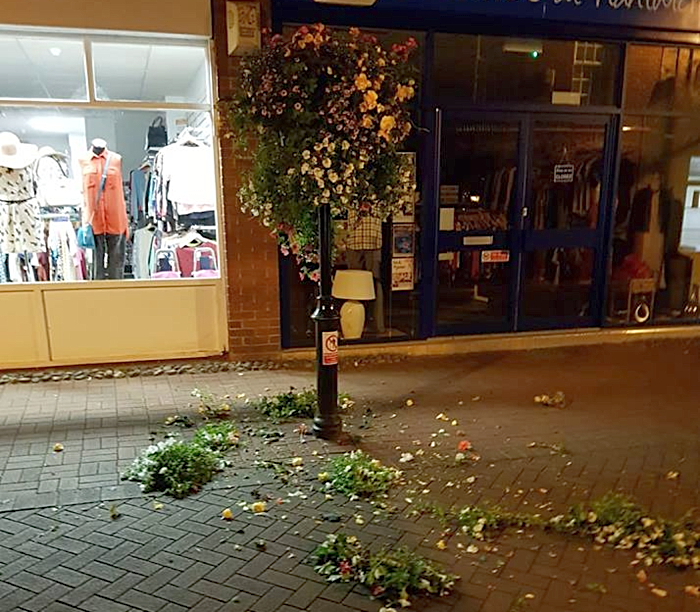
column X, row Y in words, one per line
column 520, row 238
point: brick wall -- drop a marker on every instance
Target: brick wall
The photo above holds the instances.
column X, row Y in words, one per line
column 251, row 253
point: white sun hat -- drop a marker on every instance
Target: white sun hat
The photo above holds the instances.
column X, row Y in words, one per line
column 15, row 154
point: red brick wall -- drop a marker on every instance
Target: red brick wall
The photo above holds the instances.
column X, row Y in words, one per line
column 251, row 253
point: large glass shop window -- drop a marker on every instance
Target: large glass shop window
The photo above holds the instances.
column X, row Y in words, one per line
column 655, row 262
column 485, row 69
column 90, row 191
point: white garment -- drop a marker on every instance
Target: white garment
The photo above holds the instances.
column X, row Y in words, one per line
column 188, row 177
column 63, row 240
column 21, row 228
column 143, row 241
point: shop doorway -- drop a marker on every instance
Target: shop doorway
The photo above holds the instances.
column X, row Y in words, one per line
column 520, row 237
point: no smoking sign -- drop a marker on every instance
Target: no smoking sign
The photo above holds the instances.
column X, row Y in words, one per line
column 329, row 349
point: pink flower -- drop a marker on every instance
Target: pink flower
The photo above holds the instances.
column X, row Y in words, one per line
column 345, row 568
column 315, row 276
column 464, row 445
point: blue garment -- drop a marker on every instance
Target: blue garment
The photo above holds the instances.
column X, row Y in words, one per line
column 138, row 181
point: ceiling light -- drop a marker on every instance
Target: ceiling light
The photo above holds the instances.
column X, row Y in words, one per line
column 530, row 47
column 57, row 124
column 55, row 51
column 48, row 124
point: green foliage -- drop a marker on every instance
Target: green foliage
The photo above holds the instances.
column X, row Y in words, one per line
column 618, row 521
column 328, row 112
column 219, row 437
column 289, row 405
column 356, row 474
column 481, row 522
column 393, row 575
column 175, row 467
column 212, row 406
column 295, row 404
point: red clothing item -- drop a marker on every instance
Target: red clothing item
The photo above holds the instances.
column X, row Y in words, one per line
column 109, row 217
column 185, row 258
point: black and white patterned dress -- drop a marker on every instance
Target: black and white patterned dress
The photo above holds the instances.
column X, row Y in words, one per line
column 21, row 228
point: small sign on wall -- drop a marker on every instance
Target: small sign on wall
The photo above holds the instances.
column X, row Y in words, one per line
column 495, row 256
column 243, row 23
column 402, row 274
column 564, row 173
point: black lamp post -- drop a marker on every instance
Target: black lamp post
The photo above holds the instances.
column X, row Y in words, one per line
column 327, row 423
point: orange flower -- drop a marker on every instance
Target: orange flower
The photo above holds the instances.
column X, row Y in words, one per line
column 387, row 124
column 370, row 99
column 366, row 121
column 404, row 93
column 362, row 82
column 464, row 445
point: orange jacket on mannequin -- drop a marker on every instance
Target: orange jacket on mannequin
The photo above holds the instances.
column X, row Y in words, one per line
column 109, row 216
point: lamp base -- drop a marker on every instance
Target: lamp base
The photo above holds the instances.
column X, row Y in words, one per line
column 352, row 319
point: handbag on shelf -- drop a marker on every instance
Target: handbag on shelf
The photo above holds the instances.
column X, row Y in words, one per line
column 157, row 134
column 85, row 236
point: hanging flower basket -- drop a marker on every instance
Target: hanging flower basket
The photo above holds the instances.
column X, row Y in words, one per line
column 328, row 112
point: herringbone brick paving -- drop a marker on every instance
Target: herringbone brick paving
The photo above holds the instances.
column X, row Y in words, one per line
column 632, row 417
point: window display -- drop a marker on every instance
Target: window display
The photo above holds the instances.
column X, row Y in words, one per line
column 89, row 192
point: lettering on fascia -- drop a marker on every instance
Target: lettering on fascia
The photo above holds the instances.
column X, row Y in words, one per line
column 651, row 6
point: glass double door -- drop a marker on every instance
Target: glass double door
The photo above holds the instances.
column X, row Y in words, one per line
column 521, row 203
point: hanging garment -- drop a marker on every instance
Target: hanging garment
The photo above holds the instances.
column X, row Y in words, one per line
column 143, row 242
column 109, row 216
column 186, row 178
column 21, row 229
column 64, row 245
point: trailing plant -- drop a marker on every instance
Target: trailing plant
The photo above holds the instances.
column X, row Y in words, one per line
column 289, row 405
column 294, row 404
column 618, row 521
column 212, row 406
column 392, row 575
column 328, row 112
column 219, row 437
column 175, row 467
column 613, row 520
column 481, row 522
column 356, row 474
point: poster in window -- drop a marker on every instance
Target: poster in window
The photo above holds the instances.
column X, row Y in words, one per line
column 402, row 274
column 407, row 213
column 403, row 239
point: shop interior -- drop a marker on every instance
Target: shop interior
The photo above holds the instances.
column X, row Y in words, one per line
column 89, row 192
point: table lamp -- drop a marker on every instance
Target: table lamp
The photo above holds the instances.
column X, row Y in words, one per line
column 353, row 285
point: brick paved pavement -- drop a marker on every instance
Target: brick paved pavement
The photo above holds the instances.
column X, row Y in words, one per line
column 632, row 417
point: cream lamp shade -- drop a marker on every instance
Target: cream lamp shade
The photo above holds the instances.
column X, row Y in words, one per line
column 353, row 285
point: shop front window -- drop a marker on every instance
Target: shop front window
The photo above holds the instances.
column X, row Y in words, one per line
column 662, row 78
column 655, row 264
column 486, row 69
column 94, row 191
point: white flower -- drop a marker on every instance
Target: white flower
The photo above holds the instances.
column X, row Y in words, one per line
column 326, row 162
column 306, row 154
column 305, row 168
column 333, row 177
column 345, row 145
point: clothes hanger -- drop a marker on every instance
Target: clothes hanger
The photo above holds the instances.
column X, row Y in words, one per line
column 187, row 138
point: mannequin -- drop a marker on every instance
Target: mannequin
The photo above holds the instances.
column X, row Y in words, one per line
column 104, row 208
column 364, row 252
column 21, row 229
